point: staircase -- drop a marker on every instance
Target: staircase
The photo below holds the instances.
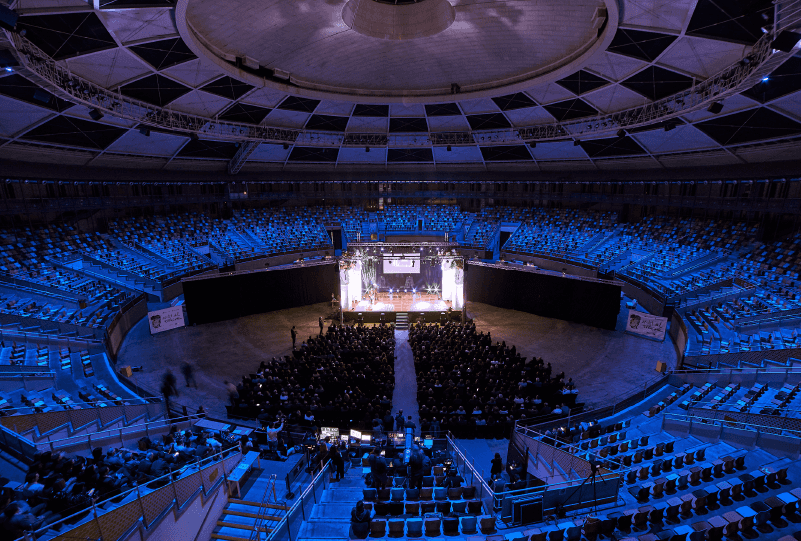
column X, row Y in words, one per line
column 402, row 321
column 242, row 518
column 330, row 516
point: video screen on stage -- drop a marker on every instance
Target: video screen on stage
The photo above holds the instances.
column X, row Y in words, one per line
column 411, row 279
column 406, row 264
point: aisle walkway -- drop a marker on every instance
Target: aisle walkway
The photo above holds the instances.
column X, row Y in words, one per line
column 405, row 395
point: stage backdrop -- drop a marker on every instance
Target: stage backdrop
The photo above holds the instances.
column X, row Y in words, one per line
column 580, row 301
column 231, row 296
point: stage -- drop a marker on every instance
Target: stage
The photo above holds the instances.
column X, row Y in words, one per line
column 402, row 302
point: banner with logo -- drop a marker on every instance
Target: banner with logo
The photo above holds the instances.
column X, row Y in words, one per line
column 166, row 319
column 646, row 325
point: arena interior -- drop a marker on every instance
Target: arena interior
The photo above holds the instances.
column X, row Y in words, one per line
column 488, row 270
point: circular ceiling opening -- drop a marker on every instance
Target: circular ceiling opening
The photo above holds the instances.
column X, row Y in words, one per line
column 398, row 19
column 377, row 51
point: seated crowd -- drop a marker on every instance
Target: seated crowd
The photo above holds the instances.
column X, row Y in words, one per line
column 340, row 379
column 471, row 386
column 59, row 486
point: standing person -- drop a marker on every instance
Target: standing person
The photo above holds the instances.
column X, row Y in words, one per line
column 233, row 394
column 168, row 388
column 379, row 470
column 337, row 462
column 400, row 422
column 294, row 334
column 497, row 466
column 416, row 467
column 410, row 424
column 189, row 374
column 321, row 325
column 272, row 435
column 388, row 421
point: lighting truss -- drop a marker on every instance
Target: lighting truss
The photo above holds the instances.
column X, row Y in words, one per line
column 759, row 63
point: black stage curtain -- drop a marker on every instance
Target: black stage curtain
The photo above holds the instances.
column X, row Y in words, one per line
column 229, row 297
column 591, row 303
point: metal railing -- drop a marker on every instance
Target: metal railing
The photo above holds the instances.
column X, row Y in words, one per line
column 620, row 403
column 288, row 528
column 753, row 423
column 467, row 466
column 104, row 437
column 111, row 518
column 261, row 515
column 761, row 60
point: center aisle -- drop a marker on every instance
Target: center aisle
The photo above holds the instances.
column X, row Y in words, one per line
column 405, row 395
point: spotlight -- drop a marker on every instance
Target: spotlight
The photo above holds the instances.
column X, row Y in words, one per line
column 576, row 143
column 715, row 107
column 448, row 148
column 367, row 149
column 765, row 79
column 145, row 131
column 621, row 133
column 533, row 144
column 193, row 136
column 286, row 146
column 95, row 114
column 670, row 125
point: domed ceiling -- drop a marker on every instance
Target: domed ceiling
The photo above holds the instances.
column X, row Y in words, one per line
column 337, row 89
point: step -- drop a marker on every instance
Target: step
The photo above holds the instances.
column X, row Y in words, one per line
column 251, row 515
column 224, row 524
column 263, row 504
column 216, row 535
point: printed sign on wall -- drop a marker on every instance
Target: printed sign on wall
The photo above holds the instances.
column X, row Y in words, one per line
column 646, row 325
column 166, row 319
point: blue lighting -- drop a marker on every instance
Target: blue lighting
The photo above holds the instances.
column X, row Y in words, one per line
column 765, row 79
column 9, row 69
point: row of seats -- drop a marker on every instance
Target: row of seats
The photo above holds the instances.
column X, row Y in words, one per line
column 427, row 492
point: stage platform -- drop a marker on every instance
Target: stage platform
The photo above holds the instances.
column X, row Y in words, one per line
column 402, row 302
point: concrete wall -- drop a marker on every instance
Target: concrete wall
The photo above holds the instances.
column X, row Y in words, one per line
column 127, row 320
column 552, row 264
column 283, row 259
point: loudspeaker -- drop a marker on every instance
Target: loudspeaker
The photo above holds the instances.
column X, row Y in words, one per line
column 661, row 367
column 786, row 41
column 715, row 108
column 126, row 371
column 8, row 18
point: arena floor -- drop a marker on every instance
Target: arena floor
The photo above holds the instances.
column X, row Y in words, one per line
column 604, row 364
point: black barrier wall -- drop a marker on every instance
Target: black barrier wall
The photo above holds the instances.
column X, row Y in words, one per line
column 232, row 296
column 581, row 301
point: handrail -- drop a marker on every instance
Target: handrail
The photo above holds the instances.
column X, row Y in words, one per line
column 148, row 425
column 198, row 466
column 759, row 429
column 749, row 370
column 261, row 514
column 299, row 502
column 619, row 405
